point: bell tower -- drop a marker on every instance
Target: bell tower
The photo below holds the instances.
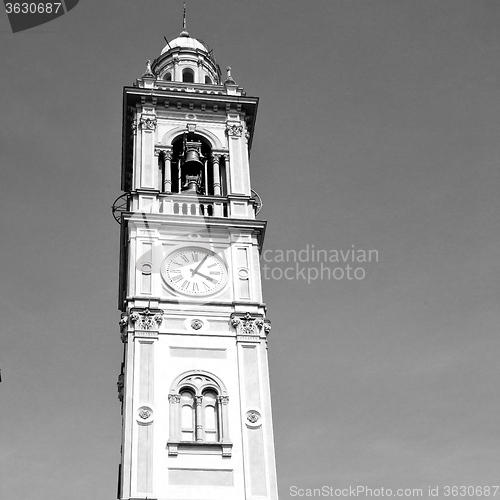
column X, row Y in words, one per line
column 194, row 384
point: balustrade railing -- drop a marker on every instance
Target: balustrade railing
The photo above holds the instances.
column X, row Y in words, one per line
column 190, row 205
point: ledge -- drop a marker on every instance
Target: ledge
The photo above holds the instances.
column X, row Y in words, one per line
column 198, row 448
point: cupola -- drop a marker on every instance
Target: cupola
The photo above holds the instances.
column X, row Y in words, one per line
column 189, row 60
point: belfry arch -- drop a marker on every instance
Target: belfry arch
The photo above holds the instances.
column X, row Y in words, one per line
column 193, row 166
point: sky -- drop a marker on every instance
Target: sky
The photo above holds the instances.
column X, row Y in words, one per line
column 377, row 129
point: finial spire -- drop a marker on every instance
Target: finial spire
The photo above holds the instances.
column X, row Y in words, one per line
column 149, row 71
column 229, row 78
column 184, row 31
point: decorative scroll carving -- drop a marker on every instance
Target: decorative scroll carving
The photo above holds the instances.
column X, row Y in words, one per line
column 147, row 123
column 147, row 319
column 234, row 130
column 248, row 325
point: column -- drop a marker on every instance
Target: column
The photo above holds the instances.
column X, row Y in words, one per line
column 216, row 172
column 167, row 171
column 198, row 418
column 223, row 419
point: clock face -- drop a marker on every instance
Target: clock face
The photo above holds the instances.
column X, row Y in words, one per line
column 195, row 271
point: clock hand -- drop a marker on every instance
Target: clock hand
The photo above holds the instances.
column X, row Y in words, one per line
column 199, row 265
column 207, row 277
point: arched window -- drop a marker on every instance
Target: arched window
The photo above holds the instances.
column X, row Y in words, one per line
column 187, row 416
column 188, row 75
column 198, row 414
column 210, row 420
column 168, row 77
column 208, row 80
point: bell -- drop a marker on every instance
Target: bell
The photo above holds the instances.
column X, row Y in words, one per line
column 192, row 166
column 192, row 157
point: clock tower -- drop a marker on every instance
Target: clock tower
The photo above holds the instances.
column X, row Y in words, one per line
column 194, row 384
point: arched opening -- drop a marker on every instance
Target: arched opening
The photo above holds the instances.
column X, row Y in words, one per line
column 187, row 415
column 210, row 416
column 192, row 167
column 208, row 80
column 188, row 75
column 168, row 76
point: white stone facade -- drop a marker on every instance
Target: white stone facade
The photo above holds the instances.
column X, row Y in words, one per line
column 194, row 385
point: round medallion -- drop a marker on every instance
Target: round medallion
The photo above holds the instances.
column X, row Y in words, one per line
column 253, row 418
column 195, row 272
column 144, row 415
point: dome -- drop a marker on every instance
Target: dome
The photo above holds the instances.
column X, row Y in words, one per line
column 185, row 42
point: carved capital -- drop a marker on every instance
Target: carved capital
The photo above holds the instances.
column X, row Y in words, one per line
column 147, row 319
column 147, row 123
column 174, row 398
column 234, row 130
column 223, row 399
column 216, row 158
column 246, row 324
column 163, row 152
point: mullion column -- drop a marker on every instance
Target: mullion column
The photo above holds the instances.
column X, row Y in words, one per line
column 198, row 418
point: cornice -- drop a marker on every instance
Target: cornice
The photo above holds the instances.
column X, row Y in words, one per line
column 191, row 220
column 183, row 94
